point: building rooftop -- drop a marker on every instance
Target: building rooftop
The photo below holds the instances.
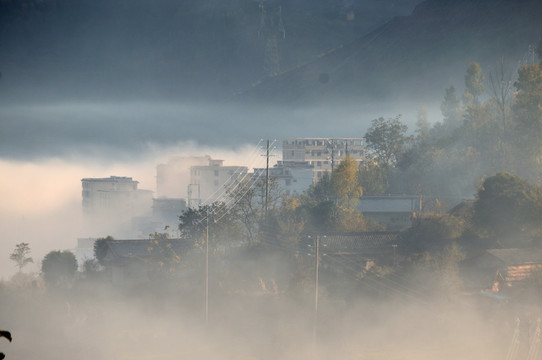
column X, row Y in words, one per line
column 111, row 178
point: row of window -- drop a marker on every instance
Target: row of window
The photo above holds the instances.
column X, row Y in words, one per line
column 324, row 142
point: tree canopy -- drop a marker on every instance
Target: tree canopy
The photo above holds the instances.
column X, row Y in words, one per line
column 59, row 267
column 20, row 255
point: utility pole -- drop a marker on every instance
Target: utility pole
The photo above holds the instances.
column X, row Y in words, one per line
column 317, row 245
column 267, row 181
column 394, row 255
column 207, row 268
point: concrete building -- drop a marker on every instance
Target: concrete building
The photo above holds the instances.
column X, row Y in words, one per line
column 210, row 183
column 115, row 197
column 172, row 179
column 290, row 180
column 322, row 154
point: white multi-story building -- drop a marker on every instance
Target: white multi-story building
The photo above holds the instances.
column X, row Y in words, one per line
column 290, row 180
column 321, row 154
column 172, row 178
column 116, row 197
column 211, row 182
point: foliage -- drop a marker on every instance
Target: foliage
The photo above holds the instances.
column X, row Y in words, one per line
column 331, row 204
column 100, row 249
column 249, row 205
column 374, row 177
column 20, row 255
column 290, row 222
column 508, row 209
column 433, row 231
column 220, row 221
column 438, row 272
column 451, row 109
column 59, row 268
column 474, row 85
column 387, row 139
column 528, row 114
column 345, row 183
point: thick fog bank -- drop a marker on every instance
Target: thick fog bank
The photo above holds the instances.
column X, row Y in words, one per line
column 127, row 130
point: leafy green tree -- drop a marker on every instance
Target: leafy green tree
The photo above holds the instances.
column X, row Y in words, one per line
column 433, row 231
column 222, row 224
column 387, row 140
column 374, row 177
column 528, row 112
column 474, row 85
column 59, row 268
column 248, row 207
column 345, row 183
column 100, row 249
column 290, row 222
column 20, row 255
column 508, row 209
column 331, row 204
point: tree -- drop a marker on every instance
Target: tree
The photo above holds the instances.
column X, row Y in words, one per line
column 345, row 183
column 223, row 226
column 248, row 204
column 59, row 267
column 374, row 177
column 508, row 209
column 331, row 203
column 386, row 139
column 474, row 85
column 100, row 249
column 528, row 111
column 451, row 109
column 20, row 255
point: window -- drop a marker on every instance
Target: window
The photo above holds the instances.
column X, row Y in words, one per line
column 216, row 172
column 216, row 182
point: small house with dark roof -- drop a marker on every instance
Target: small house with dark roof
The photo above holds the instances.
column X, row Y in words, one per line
column 394, row 211
column 503, row 268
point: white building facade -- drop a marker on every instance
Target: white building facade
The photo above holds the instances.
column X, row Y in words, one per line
column 321, row 154
column 211, row 183
column 115, row 196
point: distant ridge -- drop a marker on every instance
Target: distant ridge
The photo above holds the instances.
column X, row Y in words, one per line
column 413, row 56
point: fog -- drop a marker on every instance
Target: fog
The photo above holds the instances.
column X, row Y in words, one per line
column 104, row 88
column 124, row 131
column 248, row 321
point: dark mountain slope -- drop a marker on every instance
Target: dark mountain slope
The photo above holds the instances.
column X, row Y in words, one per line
column 415, row 56
column 164, row 48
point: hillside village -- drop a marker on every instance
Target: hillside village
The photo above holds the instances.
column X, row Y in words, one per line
column 440, row 198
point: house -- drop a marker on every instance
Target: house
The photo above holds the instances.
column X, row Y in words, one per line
column 499, row 269
column 394, row 211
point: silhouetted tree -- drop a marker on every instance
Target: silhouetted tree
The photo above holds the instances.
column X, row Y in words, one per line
column 100, row 249
column 387, row 140
column 20, row 255
column 508, row 208
column 474, row 85
column 59, row 267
